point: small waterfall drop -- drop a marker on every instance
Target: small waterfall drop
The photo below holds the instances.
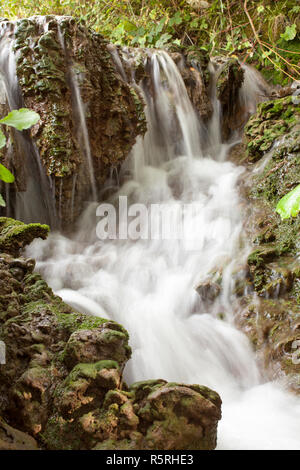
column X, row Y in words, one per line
column 148, row 285
column 36, row 203
column 80, row 111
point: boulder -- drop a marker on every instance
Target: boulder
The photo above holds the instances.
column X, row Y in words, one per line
column 270, row 307
column 65, row 73
column 62, row 381
column 12, row 439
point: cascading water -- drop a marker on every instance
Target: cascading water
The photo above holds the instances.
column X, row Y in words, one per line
column 148, row 285
column 80, row 109
column 37, row 202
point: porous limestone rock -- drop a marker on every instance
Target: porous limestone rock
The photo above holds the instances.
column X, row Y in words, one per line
column 12, row 439
column 229, row 82
column 60, row 62
column 271, row 314
column 62, row 381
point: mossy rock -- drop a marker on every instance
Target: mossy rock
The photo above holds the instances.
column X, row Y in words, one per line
column 273, row 119
column 15, row 235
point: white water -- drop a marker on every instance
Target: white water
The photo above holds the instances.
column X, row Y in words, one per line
column 79, row 107
column 148, row 285
column 37, row 202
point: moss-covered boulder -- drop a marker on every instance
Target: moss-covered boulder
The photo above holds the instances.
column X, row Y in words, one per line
column 273, row 119
column 62, row 382
column 149, row 415
column 273, row 326
column 15, row 235
column 271, row 311
column 67, row 75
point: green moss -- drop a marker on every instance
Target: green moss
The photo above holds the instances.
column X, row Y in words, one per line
column 272, row 120
column 89, row 371
column 15, row 235
column 74, row 321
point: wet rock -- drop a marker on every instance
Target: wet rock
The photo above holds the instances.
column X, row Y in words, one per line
column 192, row 64
column 107, row 342
column 237, row 154
column 177, row 416
column 193, row 69
column 273, row 119
column 58, row 59
column 270, row 308
column 208, row 291
column 62, row 381
column 229, row 82
column 151, row 415
column 273, row 326
column 14, row 236
column 12, row 439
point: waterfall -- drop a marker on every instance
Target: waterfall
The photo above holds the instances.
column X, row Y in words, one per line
column 81, row 119
column 36, row 203
column 148, row 285
column 33, row 199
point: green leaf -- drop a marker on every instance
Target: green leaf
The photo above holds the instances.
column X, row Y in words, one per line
column 289, row 205
column 2, row 139
column 177, row 42
column 6, row 175
column 290, row 33
column 164, row 38
column 160, row 26
column 2, row 202
column 128, row 26
column 21, row 118
column 176, row 19
column 260, row 9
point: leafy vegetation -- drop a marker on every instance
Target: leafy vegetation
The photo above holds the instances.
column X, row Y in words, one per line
column 20, row 119
column 264, row 32
column 289, row 205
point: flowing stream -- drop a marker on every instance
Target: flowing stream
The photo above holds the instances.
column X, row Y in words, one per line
column 148, row 285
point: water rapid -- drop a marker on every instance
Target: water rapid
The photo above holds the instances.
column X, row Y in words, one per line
column 148, row 285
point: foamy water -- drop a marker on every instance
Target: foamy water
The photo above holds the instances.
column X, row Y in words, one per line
column 149, row 285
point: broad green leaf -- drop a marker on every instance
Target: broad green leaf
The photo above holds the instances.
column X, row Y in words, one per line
column 160, row 26
column 164, row 38
column 21, row 118
column 289, row 205
column 6, row 175
column 176, row 19
column 128, row 26
column 177, row 42
column 260, row 9
column 2, row 202
column 290, row 33
column 2, row 139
